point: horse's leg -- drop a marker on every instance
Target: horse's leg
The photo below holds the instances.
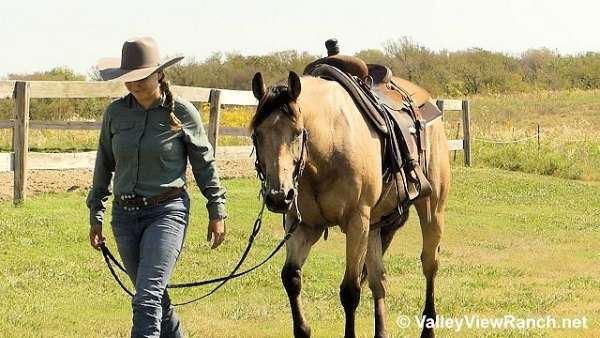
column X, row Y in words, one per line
column 298, row 247
column 357, row 235
column 376, row 277
column 388, row 232
column 431, row 230
column 431, row 216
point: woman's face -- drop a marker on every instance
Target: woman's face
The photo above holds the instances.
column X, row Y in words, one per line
column 144, row 87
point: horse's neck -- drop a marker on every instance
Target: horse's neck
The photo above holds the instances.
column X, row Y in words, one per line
column 328, row 124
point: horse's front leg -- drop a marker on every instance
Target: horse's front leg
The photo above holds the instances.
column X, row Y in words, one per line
column 357, row 235
column 298, row 248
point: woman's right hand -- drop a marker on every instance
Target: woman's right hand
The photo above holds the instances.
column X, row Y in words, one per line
column 96, row 238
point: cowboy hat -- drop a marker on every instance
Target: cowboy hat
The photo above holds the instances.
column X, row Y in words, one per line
column 139, row 59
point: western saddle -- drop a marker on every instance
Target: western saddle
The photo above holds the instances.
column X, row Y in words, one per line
column 398, row 109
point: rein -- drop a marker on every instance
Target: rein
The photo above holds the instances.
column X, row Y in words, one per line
column 298, row 169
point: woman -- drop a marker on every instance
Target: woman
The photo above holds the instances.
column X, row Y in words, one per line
column 146, row 139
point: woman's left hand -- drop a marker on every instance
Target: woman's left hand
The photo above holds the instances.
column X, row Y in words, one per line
column 216, row 232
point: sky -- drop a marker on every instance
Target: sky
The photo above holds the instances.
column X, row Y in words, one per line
column 40, row 35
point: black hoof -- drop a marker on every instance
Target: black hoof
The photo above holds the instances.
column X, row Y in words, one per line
column 427, row 333
column 302, row 331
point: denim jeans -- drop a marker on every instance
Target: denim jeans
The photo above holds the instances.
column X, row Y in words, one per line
column 149, row 241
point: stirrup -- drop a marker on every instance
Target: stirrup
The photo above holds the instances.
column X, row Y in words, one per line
column 421, row 186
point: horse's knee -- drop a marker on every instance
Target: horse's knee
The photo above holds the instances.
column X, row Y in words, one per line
column 429, row 262
column 350, row 296
column 292, row 280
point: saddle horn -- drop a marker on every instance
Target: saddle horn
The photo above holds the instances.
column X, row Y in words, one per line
column 332, row 46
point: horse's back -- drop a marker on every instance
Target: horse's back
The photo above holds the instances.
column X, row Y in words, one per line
column 417, row 93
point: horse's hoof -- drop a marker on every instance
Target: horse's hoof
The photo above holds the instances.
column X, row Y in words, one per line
column 381, row 335
column 427, row 333
column 302, row 331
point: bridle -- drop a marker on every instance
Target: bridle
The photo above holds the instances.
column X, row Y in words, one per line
column 299, row 163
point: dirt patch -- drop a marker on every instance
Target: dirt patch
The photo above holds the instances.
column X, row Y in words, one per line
column 41, row 181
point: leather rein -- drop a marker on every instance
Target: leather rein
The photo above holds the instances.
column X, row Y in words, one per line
column 298, row 169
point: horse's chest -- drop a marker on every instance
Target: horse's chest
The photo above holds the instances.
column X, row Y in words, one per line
column 327, row 204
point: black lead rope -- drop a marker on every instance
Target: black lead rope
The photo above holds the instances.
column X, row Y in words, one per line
column 109, row 257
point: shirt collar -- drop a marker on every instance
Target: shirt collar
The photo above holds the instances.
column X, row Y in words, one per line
column 131, row 102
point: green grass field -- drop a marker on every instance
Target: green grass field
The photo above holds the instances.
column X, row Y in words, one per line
column 515, row 244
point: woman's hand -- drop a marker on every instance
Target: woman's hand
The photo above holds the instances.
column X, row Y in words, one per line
column 96, row 238
column 216, row 232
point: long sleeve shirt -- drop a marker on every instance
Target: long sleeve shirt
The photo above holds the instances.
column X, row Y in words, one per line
column 147, row 158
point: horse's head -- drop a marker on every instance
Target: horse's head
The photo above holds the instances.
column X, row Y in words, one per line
column 279, row 139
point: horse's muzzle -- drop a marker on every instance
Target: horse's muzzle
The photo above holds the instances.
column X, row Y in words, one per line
column 279, row 201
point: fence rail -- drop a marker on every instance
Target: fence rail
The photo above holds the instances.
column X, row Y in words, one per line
column 21, row 160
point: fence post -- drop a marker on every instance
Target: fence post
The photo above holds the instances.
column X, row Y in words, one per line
column 213, row 121
column 466, row 110
column 21, row 141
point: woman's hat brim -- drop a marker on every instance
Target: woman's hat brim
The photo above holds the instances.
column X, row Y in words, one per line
column 110, row 70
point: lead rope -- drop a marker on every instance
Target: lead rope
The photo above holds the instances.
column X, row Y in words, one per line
column 108, row 256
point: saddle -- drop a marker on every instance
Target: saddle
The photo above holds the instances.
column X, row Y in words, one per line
column 393, row 106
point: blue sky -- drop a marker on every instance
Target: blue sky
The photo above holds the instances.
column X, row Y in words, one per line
column 39, row 35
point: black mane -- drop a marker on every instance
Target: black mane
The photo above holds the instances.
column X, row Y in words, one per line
column 276, row 97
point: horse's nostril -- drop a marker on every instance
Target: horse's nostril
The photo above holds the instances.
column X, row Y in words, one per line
column 290, row 195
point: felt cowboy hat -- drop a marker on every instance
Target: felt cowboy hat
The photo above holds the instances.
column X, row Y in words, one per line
column 139, row 59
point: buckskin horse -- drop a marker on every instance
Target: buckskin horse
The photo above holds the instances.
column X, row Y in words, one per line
column 316, row 122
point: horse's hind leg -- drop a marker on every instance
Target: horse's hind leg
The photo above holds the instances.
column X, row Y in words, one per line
column 432, row 234
column 376, row 278
column 298, row 248
column 357, row 236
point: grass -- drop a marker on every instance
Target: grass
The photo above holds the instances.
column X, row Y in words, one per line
column 569, row 144
column 515, row 244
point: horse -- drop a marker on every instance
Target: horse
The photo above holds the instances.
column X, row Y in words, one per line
column 312, row 123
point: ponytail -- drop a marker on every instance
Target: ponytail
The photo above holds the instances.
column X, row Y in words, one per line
column 165, row 89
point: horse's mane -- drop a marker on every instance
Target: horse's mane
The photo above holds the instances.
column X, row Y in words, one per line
column 275, row 97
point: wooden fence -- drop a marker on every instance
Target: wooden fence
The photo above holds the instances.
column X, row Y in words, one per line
column 20, row 160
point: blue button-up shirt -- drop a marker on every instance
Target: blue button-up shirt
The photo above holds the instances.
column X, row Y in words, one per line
column 148, row 158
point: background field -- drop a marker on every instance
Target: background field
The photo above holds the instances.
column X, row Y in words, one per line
column 568, row 147
column 515, row 244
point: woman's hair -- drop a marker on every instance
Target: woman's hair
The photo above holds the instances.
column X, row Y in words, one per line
column 170, row 101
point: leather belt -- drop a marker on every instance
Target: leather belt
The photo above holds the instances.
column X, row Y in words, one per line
column 135, row 202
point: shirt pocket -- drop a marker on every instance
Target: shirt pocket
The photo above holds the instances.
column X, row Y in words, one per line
column 121, row 126
column 166, row 140
column 161, row 126
column 124, row 140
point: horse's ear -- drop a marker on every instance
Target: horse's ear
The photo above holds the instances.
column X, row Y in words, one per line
column 258, row 86
column 294, row 86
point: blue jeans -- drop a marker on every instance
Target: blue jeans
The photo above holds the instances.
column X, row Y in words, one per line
column 149, row 241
